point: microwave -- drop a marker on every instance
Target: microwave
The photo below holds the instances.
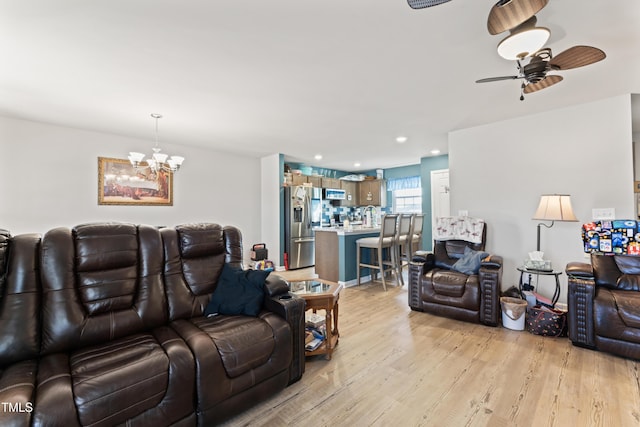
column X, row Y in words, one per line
column 334, row 194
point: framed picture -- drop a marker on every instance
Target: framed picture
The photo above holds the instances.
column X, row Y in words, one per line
column 119, row 183
column 636, row 187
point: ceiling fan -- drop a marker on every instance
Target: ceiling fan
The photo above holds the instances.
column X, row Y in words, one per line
column 421, row 4
column 508, row 14
column 504, row 15
column 527, row 41
column 535, row 74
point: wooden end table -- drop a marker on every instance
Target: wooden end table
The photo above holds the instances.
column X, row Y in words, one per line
column 321, row 295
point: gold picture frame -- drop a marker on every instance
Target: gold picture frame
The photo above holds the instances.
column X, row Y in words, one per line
column 119, row 183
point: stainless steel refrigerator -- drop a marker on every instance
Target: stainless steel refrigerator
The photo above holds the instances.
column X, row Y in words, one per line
column 298, row 225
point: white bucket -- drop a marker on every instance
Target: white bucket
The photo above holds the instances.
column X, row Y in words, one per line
column 509, row 323
column 512, row 307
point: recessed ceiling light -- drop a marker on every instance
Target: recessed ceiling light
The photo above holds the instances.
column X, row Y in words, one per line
column 401, row 139
column 318, row 157
column 356, row 165
column 434, row 152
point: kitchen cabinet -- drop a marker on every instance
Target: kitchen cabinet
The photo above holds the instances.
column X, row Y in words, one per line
column 298, row 179
column 330, row 183
column 373, row 192
column 351, row 193
column 315, row 181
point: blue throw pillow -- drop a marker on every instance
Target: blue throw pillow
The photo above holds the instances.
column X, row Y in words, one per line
column 470, row 261
column 238, row 292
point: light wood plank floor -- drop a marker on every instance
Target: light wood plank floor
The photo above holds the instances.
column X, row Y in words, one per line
column 396, row 367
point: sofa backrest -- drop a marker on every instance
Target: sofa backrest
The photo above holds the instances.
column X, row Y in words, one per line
column 19, row 297
column 447, row 252
column 617, row 271
column 194, row 257
column 100, row 282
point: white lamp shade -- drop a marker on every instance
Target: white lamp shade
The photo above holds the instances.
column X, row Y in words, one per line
column 177, row 159
column 555, row 207
column 160, row 157
column 525, row 43
column 135, row 157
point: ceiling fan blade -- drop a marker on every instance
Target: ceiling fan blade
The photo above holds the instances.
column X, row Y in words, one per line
column 577, row 56
column 497, row 79
column 542, row 84
column 507, row 14
column 421, row 4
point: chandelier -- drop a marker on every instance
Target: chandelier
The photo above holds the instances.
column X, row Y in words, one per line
column 158, row 161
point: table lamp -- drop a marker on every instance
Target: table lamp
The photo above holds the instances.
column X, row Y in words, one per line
column 553, row 207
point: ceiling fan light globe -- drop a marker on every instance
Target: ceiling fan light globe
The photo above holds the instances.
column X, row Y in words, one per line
column 522, row 44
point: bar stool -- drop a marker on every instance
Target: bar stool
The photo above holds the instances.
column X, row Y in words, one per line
column 403, row 243
column 416, row 239
column 386, row 240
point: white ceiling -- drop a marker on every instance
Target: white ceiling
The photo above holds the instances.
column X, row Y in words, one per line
column 342, row 78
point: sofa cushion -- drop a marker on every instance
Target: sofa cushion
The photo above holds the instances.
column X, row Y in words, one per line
column 629, row 282
column 470, row 261
column 616, row 314
column 238, row 292
column 243, row 343
column 449, row 283
column 119, row 380
column 628, row 303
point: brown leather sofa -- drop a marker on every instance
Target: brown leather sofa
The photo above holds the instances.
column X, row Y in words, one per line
column 103, row 325
column 604, row 304
column 19, row 327
column 436, row 288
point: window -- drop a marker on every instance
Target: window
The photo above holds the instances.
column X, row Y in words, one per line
column 407, row 201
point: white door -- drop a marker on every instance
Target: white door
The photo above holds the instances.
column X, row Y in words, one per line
column 440, row 205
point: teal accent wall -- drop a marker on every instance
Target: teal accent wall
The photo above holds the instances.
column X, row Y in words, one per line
column 399, row 172
column 348, row 256
column 403, row 171
column 428, row 164
column 281, row 254
column 330, row 173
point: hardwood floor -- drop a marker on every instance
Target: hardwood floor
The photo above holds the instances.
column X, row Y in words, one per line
column 397, row 367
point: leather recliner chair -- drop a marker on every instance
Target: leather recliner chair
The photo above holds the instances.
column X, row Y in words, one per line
column 435, row 288
column 604, row 304
column 108, row 356
column 239, row 359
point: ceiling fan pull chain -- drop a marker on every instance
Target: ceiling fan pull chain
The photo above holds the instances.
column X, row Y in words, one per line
column 522, row 92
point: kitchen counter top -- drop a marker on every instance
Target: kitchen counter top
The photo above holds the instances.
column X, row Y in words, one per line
column 353, row 230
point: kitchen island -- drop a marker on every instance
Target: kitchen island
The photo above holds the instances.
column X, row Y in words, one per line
column 336, row 252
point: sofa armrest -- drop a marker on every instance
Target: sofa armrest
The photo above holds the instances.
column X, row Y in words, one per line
column 580, row 294
column 426, row 259
column 579, row 270
column 291, row 307
column 490, row 282
column 492, row 262
column 275, row 285
column 54, row 393
column 421, row 262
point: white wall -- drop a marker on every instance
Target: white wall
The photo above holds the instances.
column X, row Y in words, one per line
column 49, row 178
column 499, row 171
column 270, row 191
